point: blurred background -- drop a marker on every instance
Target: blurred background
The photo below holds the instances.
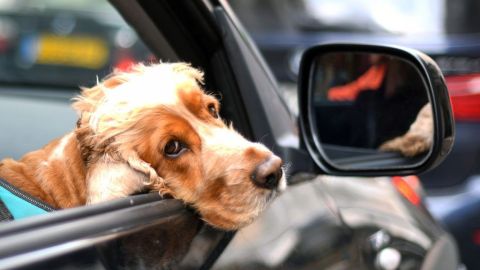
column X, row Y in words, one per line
column 49, row 48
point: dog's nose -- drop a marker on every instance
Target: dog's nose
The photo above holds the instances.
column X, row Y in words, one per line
column 267, row 174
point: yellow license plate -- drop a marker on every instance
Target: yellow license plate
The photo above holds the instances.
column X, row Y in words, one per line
column 75, row 51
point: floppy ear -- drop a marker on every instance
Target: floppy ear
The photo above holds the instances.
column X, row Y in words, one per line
column 152, row 181
column 110, row 175
column 110, row 178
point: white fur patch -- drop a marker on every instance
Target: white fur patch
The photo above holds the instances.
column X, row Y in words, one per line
column 58, row 151
column 111, row 180
column 158, row 85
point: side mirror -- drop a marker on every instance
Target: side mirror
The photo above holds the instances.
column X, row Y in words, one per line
column 369, row 110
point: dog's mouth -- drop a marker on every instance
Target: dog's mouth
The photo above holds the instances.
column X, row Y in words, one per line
column 233, row 204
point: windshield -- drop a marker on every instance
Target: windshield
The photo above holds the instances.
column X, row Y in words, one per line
column 64, row 43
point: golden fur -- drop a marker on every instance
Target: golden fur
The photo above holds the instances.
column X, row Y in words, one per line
column 118, row 148
column 419, row 137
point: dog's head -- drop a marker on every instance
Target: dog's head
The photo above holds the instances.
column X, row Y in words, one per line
column 154, row 127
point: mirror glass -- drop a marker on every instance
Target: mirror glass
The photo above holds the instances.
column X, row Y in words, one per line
column 369, row 110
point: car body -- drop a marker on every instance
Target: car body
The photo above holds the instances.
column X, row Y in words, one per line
column 342, row 223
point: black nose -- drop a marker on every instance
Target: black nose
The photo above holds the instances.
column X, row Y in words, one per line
column 268, row 173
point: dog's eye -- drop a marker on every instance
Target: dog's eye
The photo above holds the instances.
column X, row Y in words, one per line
column 174, row 149
column 212, row 110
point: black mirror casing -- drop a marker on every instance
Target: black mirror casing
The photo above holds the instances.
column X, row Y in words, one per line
column 443, row 123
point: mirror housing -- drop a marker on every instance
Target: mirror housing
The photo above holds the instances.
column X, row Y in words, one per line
column 378, row 159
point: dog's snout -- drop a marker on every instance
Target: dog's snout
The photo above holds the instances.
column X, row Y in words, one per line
column 267, row 174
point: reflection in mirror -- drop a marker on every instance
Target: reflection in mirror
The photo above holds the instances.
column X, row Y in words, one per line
column 380, row 108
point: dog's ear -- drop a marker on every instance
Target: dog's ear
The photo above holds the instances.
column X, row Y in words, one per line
column 109, row 175
column 118, row 176
column 152, row 179
column 108, row 179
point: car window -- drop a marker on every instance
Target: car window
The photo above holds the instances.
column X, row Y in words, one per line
column 48, row 50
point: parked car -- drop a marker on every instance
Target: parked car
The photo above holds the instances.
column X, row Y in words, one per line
column 446, row 30
column 320, row 222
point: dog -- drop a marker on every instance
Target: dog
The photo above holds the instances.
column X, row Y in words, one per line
column 153, row 128
column 419, row 137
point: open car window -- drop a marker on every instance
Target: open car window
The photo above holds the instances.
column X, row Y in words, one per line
column 48, row 50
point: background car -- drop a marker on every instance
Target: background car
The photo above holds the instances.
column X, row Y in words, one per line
column 321, row 222
column 39, row 37
column 445, row 30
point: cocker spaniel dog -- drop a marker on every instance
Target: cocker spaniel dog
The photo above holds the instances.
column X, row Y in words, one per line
column 153, row 128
